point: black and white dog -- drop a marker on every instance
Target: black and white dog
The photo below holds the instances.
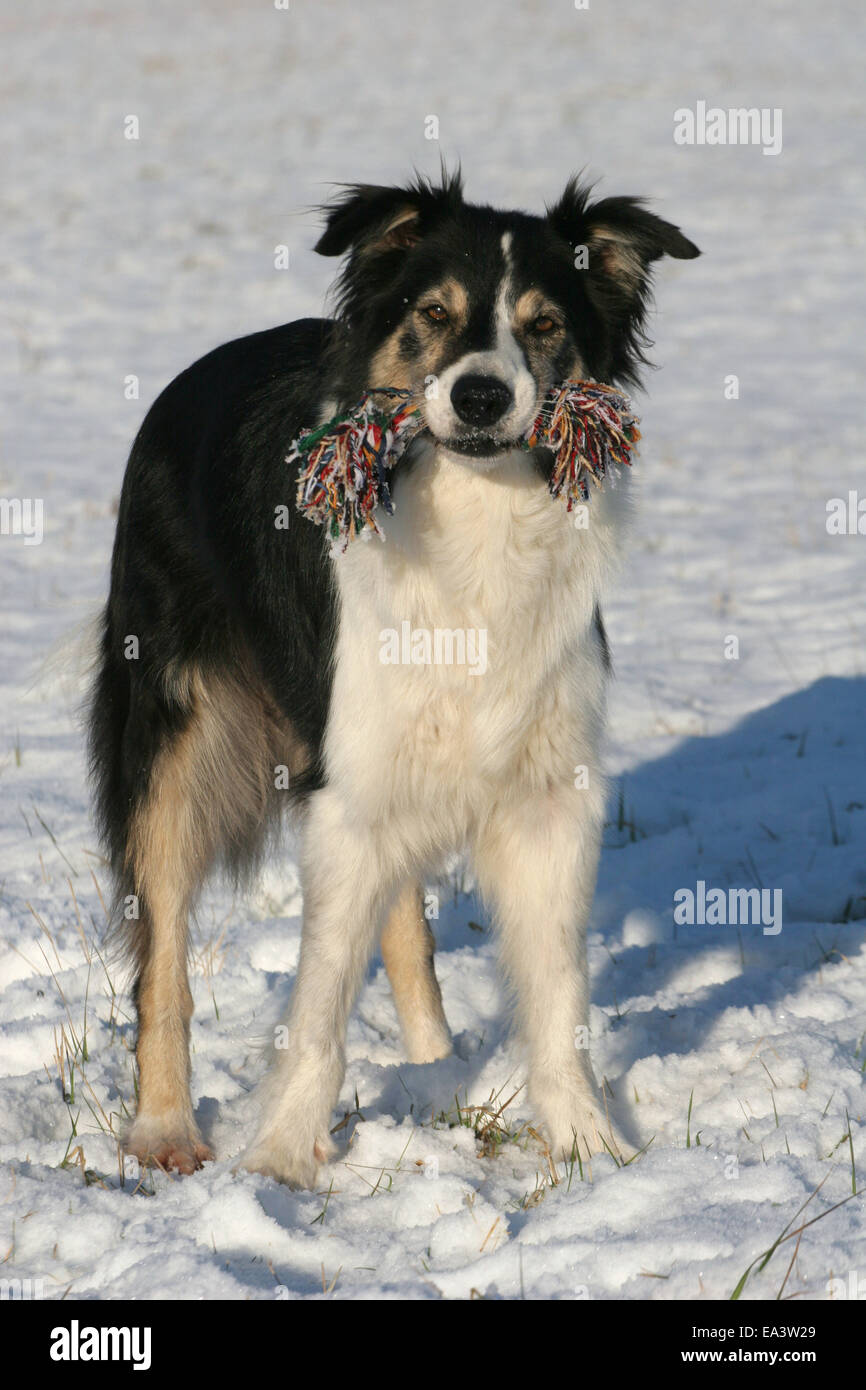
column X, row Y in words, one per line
column 240, row 652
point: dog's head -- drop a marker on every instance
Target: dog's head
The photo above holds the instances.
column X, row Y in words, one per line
column 479, row 312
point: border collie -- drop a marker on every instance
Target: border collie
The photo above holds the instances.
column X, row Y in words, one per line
column 238, row 654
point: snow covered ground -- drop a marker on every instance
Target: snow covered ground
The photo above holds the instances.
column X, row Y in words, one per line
column 739, row 1054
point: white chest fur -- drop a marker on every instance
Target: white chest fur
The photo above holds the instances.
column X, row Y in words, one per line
column 487, row 565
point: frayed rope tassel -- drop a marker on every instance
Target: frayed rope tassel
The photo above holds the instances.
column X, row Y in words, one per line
column 342, row 476
column 591, row 432
column 343, row 464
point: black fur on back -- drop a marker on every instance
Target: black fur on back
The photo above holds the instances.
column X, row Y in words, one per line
column 202, row 576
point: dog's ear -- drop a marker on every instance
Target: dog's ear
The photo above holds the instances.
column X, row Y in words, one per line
column 622, row 239
column 370, row 218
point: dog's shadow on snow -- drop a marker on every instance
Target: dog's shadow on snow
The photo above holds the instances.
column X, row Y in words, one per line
column 777, row 803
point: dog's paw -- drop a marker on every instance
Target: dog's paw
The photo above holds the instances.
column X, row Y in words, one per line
column 296, row 1165
column 163, row 1142
column 588, row 1133
column 428, row 1044
column 575, row 1125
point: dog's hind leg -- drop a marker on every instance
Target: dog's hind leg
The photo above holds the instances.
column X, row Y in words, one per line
column 209, row 793
column 407, row 949
column 165, row 867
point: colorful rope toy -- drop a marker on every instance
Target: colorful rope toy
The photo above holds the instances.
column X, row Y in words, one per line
column 343, row 465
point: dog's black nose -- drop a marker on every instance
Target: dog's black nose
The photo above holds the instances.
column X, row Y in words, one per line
column 480, row 400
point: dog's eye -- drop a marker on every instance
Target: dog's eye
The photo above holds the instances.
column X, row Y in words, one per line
column 544, row 324
column 435, row 313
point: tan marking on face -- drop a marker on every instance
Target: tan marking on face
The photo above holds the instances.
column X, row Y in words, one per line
column 391, row 366
column 534, row 304
column 530, row 306
column 453, row 297
column 576, row 370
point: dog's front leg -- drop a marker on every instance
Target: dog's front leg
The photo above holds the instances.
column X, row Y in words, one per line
column 347, row 886
column 536, row 862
